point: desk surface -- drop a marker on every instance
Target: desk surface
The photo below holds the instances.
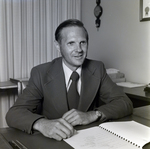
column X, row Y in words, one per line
column 7, row 85
column 38, row 141
column 143, row 112
column 137, row 92
column 138, row 96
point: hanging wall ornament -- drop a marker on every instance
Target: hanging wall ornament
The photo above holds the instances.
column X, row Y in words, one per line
column 98, row 12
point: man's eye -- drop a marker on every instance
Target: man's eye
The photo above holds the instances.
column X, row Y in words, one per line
column 83, row 42
column 70, row 43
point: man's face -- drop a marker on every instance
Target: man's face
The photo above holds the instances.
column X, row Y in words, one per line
column 73, row 46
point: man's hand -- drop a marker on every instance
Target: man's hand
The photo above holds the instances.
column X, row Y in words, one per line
column 57, row 129
column 75, row 117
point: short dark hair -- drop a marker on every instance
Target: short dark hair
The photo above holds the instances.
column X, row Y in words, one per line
column 69, row 23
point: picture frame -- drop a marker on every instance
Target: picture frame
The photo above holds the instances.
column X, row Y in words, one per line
column 144, row 10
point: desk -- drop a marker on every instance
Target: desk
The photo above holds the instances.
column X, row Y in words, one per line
column 13, row 85
column 38, row 141
column 143, row 112
column 7, row 85
column 20, row 82
column 138, row 96
column 7, row 89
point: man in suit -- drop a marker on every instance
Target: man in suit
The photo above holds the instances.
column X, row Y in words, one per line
column 99, row 98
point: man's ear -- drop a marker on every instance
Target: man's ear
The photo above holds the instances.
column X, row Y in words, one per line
column 57, row 45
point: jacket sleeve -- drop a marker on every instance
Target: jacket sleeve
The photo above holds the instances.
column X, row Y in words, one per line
column 117, row 104
column 23, row 113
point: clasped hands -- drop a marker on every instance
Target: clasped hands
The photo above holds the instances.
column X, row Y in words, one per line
column 63, row 128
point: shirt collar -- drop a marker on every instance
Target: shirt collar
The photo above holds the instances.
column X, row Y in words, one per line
column 68, row 72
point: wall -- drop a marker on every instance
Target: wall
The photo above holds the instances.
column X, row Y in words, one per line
column 122, row 42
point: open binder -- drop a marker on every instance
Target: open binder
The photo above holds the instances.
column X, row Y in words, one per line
column 112, row 135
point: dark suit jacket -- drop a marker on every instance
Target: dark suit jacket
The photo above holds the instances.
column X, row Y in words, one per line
column 47, row 87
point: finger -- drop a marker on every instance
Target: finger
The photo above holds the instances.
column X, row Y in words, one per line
column 61, row 134
column 57, row 137
column 72, row 118
column 75, row 121
column 71, row 115
column 66, row 128
column 68, row 113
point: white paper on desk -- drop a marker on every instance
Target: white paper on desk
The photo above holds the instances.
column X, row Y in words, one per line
column 130, row 84
column 132, row 131
column 96, row 138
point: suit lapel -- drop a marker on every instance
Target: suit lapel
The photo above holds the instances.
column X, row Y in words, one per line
column 56, row 83
column 90, row 85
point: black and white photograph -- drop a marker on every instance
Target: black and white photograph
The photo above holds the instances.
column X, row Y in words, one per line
column 74, row 74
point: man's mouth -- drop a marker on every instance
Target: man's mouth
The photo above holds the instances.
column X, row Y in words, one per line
column 79, row 56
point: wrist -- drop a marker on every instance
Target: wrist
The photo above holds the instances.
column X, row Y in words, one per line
column 37, row 124
column 98, row 114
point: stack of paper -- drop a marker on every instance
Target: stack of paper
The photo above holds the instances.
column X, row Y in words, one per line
column 116, row 75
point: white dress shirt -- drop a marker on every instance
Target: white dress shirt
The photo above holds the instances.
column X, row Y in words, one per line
column 68, row 72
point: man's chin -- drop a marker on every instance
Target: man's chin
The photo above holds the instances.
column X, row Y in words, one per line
column 78, row 63
column 79, row 59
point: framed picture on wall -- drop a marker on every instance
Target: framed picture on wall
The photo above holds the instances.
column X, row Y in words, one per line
column 144, row 10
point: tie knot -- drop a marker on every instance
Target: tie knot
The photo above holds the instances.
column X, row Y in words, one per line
column 74, row 76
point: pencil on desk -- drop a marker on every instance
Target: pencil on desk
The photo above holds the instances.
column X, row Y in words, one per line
column 23, row 147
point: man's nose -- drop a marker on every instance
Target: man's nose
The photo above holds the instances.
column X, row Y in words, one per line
column 79, row 47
